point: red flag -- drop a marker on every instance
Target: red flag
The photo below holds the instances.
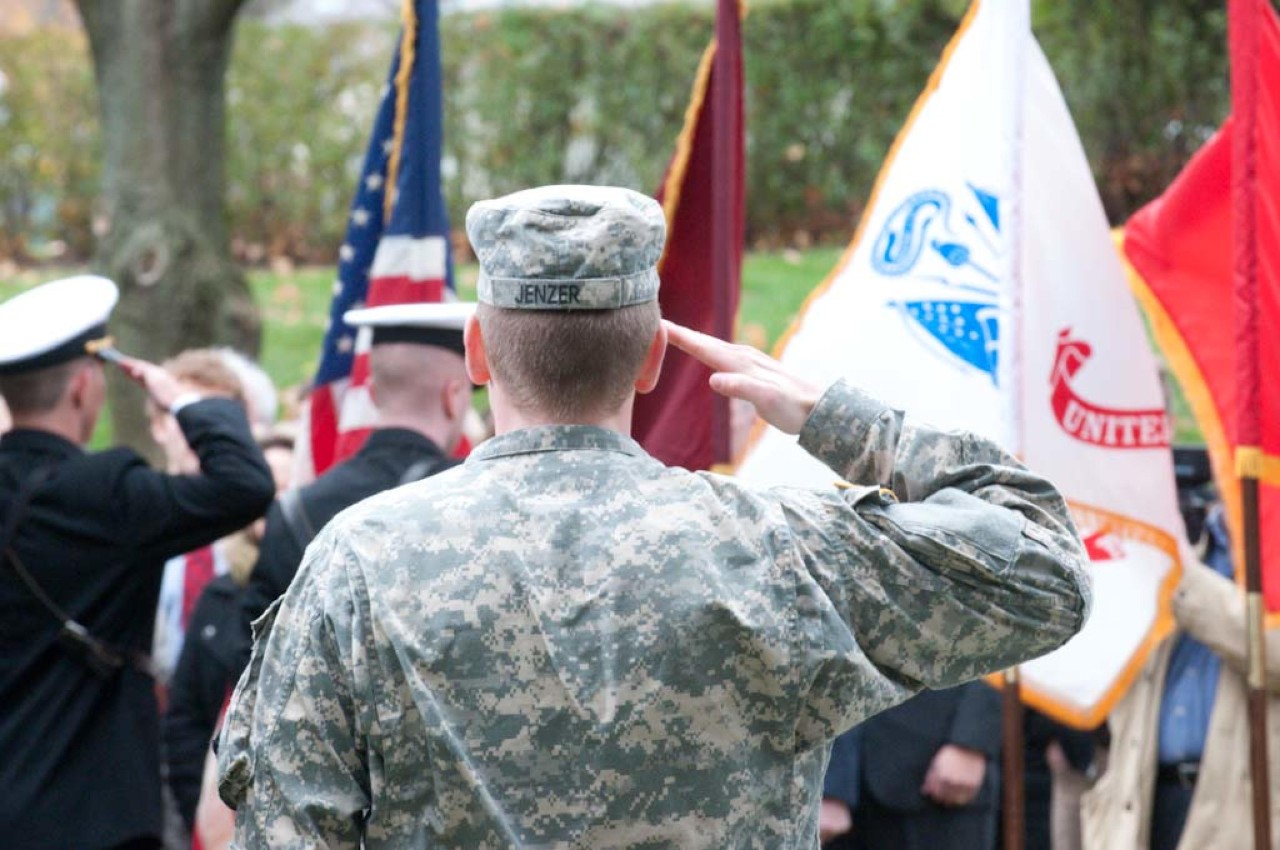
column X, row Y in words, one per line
column 1208, row 256
column 682, row 422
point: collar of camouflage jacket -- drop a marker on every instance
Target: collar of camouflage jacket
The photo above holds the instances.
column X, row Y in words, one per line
column 556, row 438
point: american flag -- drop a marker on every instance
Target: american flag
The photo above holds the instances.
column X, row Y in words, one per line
column 396, row 248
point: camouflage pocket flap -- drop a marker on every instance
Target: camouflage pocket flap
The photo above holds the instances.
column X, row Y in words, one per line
column 955, row 530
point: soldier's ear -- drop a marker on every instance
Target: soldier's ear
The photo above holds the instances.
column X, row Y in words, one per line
column 476, row 358
column 651, row 368
column 455, row 398
column 78, row 388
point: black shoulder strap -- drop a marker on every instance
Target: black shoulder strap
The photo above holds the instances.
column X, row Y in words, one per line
column 102, row 658
column 296, row 520
column 21, row 501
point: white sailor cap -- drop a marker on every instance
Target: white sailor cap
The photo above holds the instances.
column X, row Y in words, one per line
column 439, row 324
column 55, row 322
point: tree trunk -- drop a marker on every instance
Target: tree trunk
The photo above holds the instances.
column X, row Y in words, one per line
column 160, row 67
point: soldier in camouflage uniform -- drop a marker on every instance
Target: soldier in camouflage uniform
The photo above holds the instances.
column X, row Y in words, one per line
column 564, row 643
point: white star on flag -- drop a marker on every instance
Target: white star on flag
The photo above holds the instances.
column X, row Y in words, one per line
column 345, row 344
column 360, row 216
column 373, row 182
column 346, row 252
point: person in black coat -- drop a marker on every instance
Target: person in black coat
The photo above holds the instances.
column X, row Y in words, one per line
column 841, row 788
column 930, row 772
column 199, row 690
column 85, row 541
column 421, row 391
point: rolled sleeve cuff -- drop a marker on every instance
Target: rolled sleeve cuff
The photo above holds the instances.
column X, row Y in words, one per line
column 839, row 433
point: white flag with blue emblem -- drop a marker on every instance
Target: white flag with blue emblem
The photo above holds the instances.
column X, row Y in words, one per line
column 982, row 292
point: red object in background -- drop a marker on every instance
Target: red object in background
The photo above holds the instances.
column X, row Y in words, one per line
column 682, row 422
column 1208, row 251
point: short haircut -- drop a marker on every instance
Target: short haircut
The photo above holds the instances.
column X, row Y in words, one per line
column 29, row 393
column 568, row 364
column 407, row 377
column 206, row 369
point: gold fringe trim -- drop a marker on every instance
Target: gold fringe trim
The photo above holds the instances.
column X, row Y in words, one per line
column 408, row 42
column 1253, row 462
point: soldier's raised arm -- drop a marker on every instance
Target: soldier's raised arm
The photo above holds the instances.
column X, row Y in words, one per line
column 944, row 559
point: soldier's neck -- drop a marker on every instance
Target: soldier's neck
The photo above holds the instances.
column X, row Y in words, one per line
column 63, row 423
column 507, row 417
column 435, row 429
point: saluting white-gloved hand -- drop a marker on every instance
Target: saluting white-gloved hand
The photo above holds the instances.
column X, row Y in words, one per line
column 782, row 399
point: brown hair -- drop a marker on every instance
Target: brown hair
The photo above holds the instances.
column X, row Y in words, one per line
column 568, row 364
column 206, row 369
column 40, row 391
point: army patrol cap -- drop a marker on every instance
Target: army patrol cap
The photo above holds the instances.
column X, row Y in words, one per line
column 438, row 324
column 55, row 323
column 567, row 248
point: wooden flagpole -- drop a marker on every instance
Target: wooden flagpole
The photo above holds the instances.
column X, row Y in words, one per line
column 1012, row 774
column 1243, row 24
column 1257, row 661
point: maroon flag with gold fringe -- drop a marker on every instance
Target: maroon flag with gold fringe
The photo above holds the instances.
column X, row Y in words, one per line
column 682, row 422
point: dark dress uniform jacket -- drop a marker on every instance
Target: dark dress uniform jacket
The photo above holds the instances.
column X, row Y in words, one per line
column 79, row 751
column 380, row 465
column 898, row 746
column 199, row 689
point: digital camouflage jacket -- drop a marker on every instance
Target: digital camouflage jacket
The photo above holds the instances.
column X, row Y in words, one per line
column 564, row 643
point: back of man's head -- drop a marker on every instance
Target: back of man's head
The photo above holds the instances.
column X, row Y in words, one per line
column 418, row 379
column 41, row 391
column 410, row 380
column 47, row 334
column 568, row 366
column 568, row 289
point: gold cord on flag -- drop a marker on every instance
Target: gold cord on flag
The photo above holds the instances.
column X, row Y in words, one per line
column 408, row 39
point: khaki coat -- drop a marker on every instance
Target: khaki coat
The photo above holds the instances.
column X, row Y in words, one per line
column 1116, row 812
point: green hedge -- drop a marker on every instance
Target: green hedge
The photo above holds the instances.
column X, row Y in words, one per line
column 597, row 94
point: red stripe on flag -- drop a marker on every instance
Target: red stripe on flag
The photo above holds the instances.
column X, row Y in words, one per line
column 360, row 370
column 401, row 289
column 324, row 427
column 349, row 442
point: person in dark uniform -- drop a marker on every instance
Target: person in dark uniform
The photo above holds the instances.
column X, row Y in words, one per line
column 84, row 541
column 199, row 690
column 930, row 772
column 422, row 394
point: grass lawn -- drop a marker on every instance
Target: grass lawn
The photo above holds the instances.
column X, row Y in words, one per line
column 295, row 308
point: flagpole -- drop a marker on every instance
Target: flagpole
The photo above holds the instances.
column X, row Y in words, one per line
column 725, row 177
column 1257, row 663
column 1013, row 774
column 1243, row 26
column 1012, row 796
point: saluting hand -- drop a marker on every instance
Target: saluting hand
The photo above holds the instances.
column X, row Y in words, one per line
column 163, row 388
column 782, row 399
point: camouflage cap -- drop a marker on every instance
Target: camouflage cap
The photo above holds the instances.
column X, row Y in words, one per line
column 567, row 248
